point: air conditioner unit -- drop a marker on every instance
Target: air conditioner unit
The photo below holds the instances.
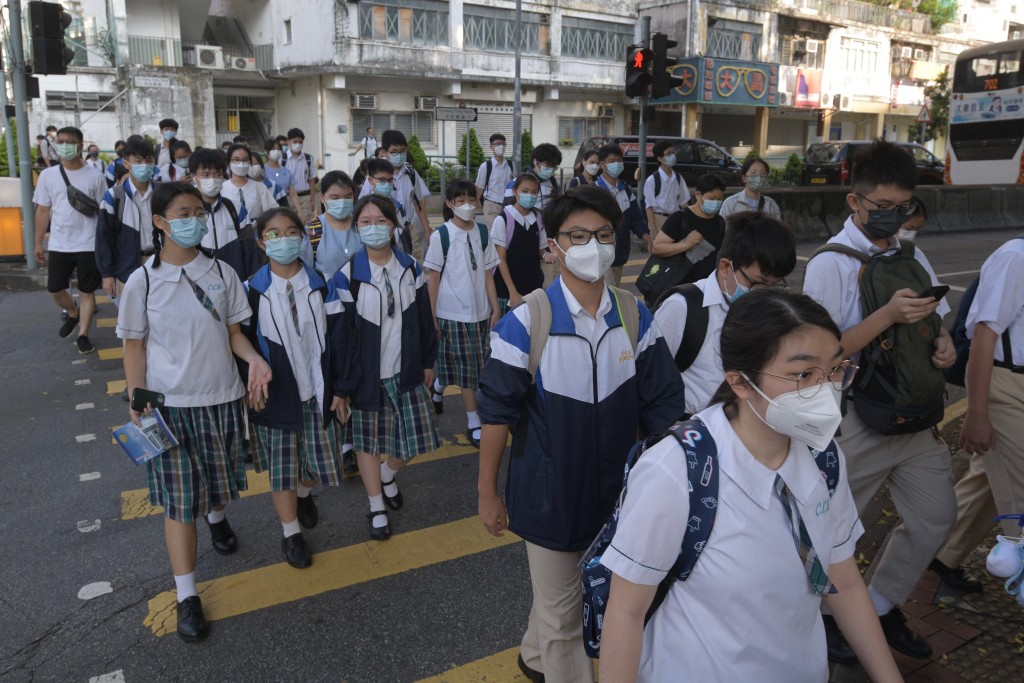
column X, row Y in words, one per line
column 1015, row 35
column 826, row 100
column 811, row 46
column 845, row 103
column 785, row 99
column 920, row 54
column 364, row 101
column 209, row 57
column 240, row 63
column 906, row 52
column 424, row 103
column 606, row 112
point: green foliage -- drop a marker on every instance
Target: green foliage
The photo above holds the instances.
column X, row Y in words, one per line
column 476, row 153
column 4, row 170
column 752, row 154
column 793, row 167
column 938, row 94
column 433, row 175
column 941, row 11
column 526, row 153
column 417, row 156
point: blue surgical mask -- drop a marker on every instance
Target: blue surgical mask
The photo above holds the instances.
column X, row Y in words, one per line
column 527, row 201
column 615, row 168
column 375, row 236
column 740, row 290
column 67, row 150
column 383, row 189
column 170, row 134
column 670, row 159
column 339, row 208
column 143, row 172
column 711, row 206
column 188, row 232
column 545, row 172
column 284, row 249
column 182, row 163
column 397, row 159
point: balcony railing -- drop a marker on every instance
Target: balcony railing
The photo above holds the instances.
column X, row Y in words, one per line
column 862, row 12
column 154, row 51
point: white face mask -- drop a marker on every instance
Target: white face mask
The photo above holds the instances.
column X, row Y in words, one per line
column 296, row 147
column 210, row 187
column 499, row 150
column 812, row 421
column 255, row 171
column 240, row 169
column 465, row 211
column 589, row 261
column 274, row 154
column 592, row 169
column 907, row 235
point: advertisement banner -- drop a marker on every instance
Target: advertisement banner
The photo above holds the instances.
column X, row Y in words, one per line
column 807, row 89
column 991, row 106
column 710, row 80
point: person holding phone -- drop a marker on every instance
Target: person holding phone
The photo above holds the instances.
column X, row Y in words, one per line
column 180, row 318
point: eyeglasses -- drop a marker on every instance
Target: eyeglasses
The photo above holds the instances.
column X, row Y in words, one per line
column 367, row 222
column 198, row 213
column 755, row 284
column 907, row 209
column 274, row 235
column 811, row 380
column 581, row 237
column 384, row 180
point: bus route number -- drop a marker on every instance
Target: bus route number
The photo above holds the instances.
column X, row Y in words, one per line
column 991, row 84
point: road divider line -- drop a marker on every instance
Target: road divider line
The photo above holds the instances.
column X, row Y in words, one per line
column 628, row 279
column 106, row 323
column 115, row 387
column 278, row 584
column 85, row 406
column 111, row 354
column 82, row 382
column 958, row 273
column 501, row 666
column 88, row 476
column 953, row 412
column 85, row 438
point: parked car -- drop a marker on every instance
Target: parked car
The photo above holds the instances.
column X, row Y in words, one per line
column 828, row 163
column 694, row 157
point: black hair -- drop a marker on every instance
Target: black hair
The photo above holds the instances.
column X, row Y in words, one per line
column 386, row 206
column 120, row 142
column 208, row 158
column 497, row 136
column 393, row 137
column 883, row 163
column 179, row 145
column 296, row 133
column 138, row 146
column 282, row 138
column 337, row 178
column 381, row 153
column 755, row 327
column 709, row 182
column 660, row 147
column 239, row 139
column 269, row 144
column 523, row 177
column 50, row 127
column 754, row 160
column 590, row 152
column 608, row 150
column 255, row 158
column 546, row 153
column 168, row 123
column 238, row 146
column 752, row 237
column 266, row 216
column 582, row 198
column 463, row 187
column 71, row 130
column 163, row 195
column 375, row 166
column 369, row 128
column 93, row 144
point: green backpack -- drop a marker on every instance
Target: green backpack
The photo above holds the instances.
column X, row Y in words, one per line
column 897, row 389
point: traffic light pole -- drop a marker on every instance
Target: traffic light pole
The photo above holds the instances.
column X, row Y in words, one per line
column 28, row 219
column 641, row 152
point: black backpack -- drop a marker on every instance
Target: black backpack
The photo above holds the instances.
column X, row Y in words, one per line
column 697, row 320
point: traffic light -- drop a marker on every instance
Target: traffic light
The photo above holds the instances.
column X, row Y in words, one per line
column 48, row 21
column 663, row 82
column 638, row 71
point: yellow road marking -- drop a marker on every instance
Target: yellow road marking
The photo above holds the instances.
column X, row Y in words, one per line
column 277, row 584
column 953, row 412
column 499, row 667
column 115, row 387
column 636, row 262
column 628, row 279
column 103, row 299
column 111, row 354
column 106, row 323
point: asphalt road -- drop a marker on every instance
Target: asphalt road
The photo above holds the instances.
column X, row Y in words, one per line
column 85, row 580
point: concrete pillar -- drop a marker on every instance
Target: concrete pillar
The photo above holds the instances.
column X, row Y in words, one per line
column 826, row 123
column 761, row 130
column 877, row 123
column 692, row 119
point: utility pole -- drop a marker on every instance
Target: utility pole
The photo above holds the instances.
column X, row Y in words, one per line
column 641, row 153
column 28, row 226
column 517, row 107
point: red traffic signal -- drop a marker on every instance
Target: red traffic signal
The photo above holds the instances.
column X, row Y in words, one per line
column 638, row 71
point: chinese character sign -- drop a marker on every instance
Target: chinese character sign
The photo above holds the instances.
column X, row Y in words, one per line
column 711, row 80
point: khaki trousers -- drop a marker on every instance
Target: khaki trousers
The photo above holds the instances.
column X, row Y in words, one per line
column 994, row 482
column 659, row 223
column 303, row 209
column 918, row 469
column 613, row 276
column 553, row 643
column 491, row 211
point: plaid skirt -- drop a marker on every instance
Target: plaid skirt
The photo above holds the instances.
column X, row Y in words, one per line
column 292, row 457
column 206, row 469
column 403, row 427
column 461, row 352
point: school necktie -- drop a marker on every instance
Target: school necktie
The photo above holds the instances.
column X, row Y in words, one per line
column 472, row 254
column 203, row 297
column 391, row 295
column 820, row 584
column 295, row 309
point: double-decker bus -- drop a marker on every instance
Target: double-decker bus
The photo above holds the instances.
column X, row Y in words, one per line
column 986, row 116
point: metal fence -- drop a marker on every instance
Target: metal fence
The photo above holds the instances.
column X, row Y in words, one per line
column 154, row 51
column 862, row 12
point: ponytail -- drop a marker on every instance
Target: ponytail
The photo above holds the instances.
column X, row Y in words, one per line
column 157, row 243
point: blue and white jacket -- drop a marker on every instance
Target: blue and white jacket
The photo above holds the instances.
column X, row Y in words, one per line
column 339, row 373
column 573, row 429
column 118, row 238
column 232, row 238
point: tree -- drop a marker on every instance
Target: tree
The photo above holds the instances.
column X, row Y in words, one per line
column 418, row 157
column 526, row 154
column 4, row 170
column 938, row 94
column 941, row 11
column 476, row 152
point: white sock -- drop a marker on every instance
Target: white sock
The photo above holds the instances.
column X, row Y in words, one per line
column 186, row 585
column 302, row 491
column 216, row 516
column 377, row 504
column 473, row 419
column 883, row 605
column 291, row 528
column 388, row 474
column 346, row 447
column 438, row 394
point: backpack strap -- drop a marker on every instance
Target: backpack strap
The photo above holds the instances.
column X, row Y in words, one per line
column 446, row 243
column 657, row 182
column 630, row 316
column 697, row 320
column 487, row 178
column 229, row 205
column 539, row 306
column 145, row 301
column 841, row 249
column 760, row 205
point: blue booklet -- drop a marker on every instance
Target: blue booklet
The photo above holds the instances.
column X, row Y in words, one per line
column 145, row 443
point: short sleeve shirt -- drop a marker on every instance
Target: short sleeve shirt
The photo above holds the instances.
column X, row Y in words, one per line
column 999, row 302
column 462, row 296
column 70, row 231
column 681, row 223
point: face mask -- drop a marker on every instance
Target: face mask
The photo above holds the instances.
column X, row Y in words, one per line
column 255, row 171
column 711, row 206
column 210, row 187
column 51, row 135
column 119, row 153
column 905, row 235
column 170, row 134
column 296, row 147
column 397, row 159
column 879, row 226
column 284, row 250
column 188, row 232
column 142, row 172
column 670, row 159
column 240, row 169
column 527, row 201
column 67, row 150
column 383, row 189
column 615, row 168
column 499, row 150
column 592, row 169
column 757, row 182
column 812, row 421
column 589, row 261
column 94, row 155
column 181, row 163
column 375, row 236
column 339, row 208
column 274, row 154
column 740, row 290
column 465, row 211
column 545, row 172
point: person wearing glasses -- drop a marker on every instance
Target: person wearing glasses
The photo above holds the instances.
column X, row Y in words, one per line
column 916, row 465
column 577, row 417
column 397, row 347
column 758, row 252
column 784, row 538
column 754, row 174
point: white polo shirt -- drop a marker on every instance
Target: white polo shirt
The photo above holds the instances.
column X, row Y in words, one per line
column 999, row 302
column 70, row 231
column 188, row 352
column 746, row 612
column 501, row 174
column 390, row 327
column 303, row 349
column 501, row 233
column 674, row 194
column 221, row 228
column 462, row 296
column 833, row 280
column 250, row 200
column 705, row 374
column 301, row 170
column 740, row 202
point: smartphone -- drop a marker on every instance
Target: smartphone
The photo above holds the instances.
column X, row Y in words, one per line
column 140, row 397
column 936, row 292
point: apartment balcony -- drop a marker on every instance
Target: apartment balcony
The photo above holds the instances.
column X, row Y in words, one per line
column 228, row 56
column 839, row 11
column 154, row 51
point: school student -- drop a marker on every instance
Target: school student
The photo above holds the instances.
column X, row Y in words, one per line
column 544, row 163
column 368, row 144
column 588, row 171
column 521, row 243
column 784, row 371
column 665, row 190
column 397, row 350
column 299, row 324
column 177, row 170
column 230, row 239
column 757, row 253
column 603, row 375
column 48, row 148
column 915, row 464
column 406, row 185
column 278, row 193
column 491, row 179
column 302, row 167
column 459, row 262
column 610, row 159
column 249, row 197
column 180, row 318
column 115, row 170
column 699, row 222
column 277, row 172
column 165, row 153
column 754, row 174
column 332, row 241
column 92, row 158
column 380, row 180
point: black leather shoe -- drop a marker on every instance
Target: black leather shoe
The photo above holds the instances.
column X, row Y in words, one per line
column 379, row 533
column 839, row 651
column 394, row 502
column 472, row 439
column 349, row 463
column 296, row 552
column 224, row 540
column 901, row 638
column 531, row 674
column 956, row 578
column 192, row 625
column 437, row 400
column 308, row 515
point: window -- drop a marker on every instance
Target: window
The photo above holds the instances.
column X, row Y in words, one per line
column 600, row 40
column 287, row 31
column 420, row 22
column 733, row 39
column 859, row 56
column 709, row 154
column 801, row 51
column 493, row 29
column 59, row 100
column 577, row 129
column 418, row 123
